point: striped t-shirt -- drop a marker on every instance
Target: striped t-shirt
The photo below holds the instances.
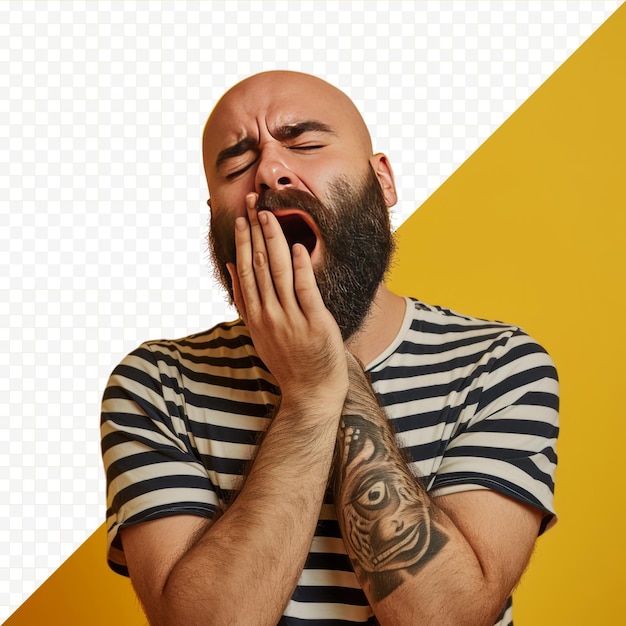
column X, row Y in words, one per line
column 474, row 404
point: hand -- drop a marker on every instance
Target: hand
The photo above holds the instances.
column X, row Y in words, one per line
column 277, row 296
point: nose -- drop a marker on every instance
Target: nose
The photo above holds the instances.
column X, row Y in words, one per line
column 273, row 173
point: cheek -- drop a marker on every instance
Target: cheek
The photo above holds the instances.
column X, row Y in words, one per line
column 231, row 195
column 319, row 176
column 316, row 177
column 232, row 201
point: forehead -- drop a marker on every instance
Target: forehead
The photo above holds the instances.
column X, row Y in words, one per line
column 273, row 100
column 252, row 107
column 258, row 107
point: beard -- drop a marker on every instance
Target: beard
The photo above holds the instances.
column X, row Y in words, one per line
column 358, row 244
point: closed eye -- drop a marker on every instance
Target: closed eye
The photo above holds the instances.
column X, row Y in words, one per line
column 306, row 148
column 240, row 171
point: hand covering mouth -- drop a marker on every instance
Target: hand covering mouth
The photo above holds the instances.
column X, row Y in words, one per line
column 298, row 227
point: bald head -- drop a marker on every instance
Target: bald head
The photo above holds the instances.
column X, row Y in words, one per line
column 265, row 106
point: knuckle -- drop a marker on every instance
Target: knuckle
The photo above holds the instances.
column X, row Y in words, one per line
column 244, row 272
column 260, row 259
column 270, row 319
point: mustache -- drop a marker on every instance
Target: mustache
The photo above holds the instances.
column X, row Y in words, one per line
column 272, row 199
column 222, row 223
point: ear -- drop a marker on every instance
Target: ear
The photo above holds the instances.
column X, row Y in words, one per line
column 208, row 203
column 384, row 173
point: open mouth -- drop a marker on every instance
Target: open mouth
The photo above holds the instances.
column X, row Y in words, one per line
column 297, row 228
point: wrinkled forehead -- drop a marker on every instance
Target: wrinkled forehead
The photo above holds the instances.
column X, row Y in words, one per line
column 265, row 102
column 245, row 108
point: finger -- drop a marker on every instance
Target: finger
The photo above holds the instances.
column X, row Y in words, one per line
column 247, row 287
column 260, row 258
column 256, row 233
column 237, row 295
column 305, row 284
column 279, row 256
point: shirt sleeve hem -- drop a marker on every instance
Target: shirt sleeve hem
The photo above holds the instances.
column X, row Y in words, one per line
column 115, row 556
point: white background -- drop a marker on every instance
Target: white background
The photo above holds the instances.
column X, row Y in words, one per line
column 103, row 210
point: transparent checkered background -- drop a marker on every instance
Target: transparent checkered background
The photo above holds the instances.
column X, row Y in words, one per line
column 102, row 204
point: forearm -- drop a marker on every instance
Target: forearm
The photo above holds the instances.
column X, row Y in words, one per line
column 244, row 568
column 398, row 540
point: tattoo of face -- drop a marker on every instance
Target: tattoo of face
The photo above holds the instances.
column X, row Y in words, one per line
column 386, row 522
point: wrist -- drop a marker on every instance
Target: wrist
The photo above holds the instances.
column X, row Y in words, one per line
column 313, row 403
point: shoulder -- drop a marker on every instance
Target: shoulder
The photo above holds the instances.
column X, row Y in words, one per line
column 464, row 361
column 206, row 371
column 449, row 331
column 224, row 338
column 440, row 319
column 163, row 373
column 228, row 339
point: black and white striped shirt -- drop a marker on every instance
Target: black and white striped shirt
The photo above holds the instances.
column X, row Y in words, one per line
column 474, row 404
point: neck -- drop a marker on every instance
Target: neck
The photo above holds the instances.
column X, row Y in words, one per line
column 381, row 326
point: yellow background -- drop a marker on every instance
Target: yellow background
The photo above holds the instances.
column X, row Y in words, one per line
column 530, row 230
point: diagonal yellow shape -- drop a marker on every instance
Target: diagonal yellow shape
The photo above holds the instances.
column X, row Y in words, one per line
column 531, row 230
column 82, row 592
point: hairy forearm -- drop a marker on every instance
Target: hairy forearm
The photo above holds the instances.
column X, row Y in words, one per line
column 244, row 568
column 398, row 540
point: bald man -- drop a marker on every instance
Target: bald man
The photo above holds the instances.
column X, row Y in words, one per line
column 253, row 477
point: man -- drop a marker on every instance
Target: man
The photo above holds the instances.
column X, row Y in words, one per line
column 253, row 477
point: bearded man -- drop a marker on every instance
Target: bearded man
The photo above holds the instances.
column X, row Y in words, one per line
column 340, row 453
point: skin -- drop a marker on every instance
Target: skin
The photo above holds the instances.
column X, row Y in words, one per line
column 252, row 110
column 466, row 551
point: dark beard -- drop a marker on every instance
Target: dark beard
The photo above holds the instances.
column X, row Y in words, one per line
column 358, row 244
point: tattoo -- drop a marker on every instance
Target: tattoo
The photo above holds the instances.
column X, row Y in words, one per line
column 387, row 520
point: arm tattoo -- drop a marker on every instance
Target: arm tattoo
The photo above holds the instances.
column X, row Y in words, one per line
column 387, row 521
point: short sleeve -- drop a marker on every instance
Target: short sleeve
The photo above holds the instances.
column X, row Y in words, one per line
column 509, row 443
column 151, row 468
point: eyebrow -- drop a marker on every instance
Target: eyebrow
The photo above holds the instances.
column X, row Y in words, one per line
column 291, row 131
column 282, row 133
column 237, row 149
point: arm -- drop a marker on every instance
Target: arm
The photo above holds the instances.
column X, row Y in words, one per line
column 453, row 560
column 243, row 567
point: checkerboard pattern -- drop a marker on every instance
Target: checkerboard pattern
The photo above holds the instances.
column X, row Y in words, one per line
column 103, row 211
